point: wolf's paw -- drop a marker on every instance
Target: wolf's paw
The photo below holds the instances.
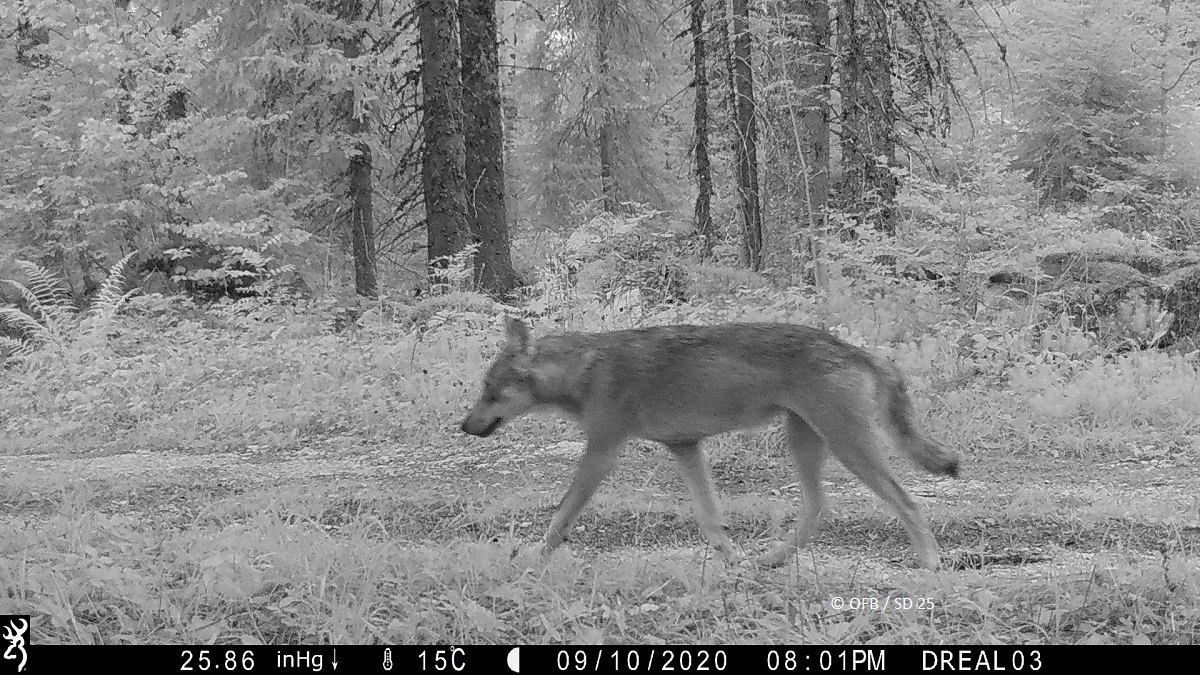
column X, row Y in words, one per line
column 930, row 561
column 548, row 548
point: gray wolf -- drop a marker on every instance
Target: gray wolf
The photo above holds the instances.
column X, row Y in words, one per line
column 680, row 384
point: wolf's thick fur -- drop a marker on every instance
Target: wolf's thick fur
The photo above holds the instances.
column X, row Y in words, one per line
column 680, row 384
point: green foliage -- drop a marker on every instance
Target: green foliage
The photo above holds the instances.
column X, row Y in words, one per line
column 452, row 273
column 307, row 567
column 49, row 307
column 284, row 436
column 179, row 376
column 49, row 317
column 1104, row 102
column 564, row 92
column 270, row 462
column 613, row 266
column 709, row 280
column 108, row 300
column 135, row 133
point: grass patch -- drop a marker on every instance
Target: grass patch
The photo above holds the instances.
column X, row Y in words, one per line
column 217, row 478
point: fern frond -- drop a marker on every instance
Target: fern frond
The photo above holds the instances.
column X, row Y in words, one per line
column 27, row 295
column 110, row 297
column 44, row 286
column 45, row 297
column 25, row 324
column 97, row 322
column 107, row 301
column 11, row 346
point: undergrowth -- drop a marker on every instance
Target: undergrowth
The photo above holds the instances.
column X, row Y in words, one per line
column 208, row 554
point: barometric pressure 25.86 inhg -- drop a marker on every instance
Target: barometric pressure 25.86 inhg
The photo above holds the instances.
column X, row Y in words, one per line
column 207, row 660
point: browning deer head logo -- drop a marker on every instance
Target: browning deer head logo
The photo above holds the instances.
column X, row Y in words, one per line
column 16, row 638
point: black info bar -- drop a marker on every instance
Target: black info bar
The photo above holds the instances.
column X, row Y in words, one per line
column 452, row 659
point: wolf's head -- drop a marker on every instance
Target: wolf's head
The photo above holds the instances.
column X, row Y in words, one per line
column 509, row 387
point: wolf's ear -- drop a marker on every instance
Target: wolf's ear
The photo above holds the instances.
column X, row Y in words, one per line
column 556, row 374
column 518, row 335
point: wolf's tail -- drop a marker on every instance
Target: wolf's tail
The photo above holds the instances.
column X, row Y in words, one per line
column 924, row 451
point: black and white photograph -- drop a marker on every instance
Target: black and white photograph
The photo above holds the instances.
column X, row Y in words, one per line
column 637, row 334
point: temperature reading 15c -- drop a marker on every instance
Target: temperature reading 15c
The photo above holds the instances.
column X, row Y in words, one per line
column 453, row 658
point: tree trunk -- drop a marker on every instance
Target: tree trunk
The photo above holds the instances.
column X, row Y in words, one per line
column 442, row 172
column 362, row 215
column 605, row 11
column 746, row 136
column 361, row 185
column 484, row 130
column 811, row 77
column 868, row 112
column 703, row 218
column 1164, row 80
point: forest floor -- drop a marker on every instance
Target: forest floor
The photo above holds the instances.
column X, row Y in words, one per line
column 338, row 540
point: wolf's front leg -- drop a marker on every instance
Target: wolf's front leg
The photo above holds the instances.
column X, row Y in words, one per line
column 598, row 461
column 693, row 467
